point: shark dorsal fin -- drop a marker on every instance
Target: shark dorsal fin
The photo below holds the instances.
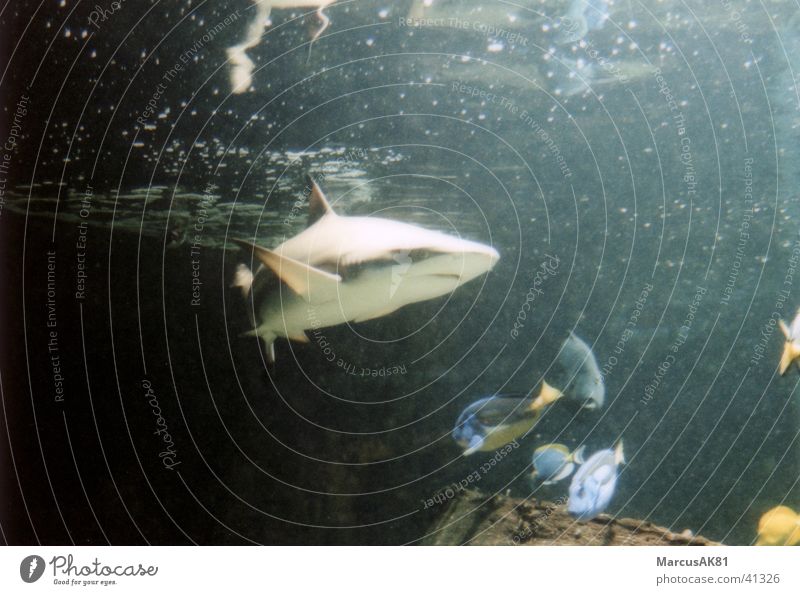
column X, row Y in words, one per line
column 318, row 205
column 306, row 280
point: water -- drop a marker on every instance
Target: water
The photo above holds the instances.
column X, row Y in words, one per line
column 656, row 159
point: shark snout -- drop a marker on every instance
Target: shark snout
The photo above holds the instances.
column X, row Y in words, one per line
column 482, row 255
column 493, row 256
column 474, row 262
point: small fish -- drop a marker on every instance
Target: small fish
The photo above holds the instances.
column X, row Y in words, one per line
column 593, row 486
column 791, row 349
column 554, row 462
column 779, row 526
column 491, row 422
column 582, row 380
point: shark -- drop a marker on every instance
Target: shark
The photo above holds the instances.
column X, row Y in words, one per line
column 241, row 72
column 344, row 269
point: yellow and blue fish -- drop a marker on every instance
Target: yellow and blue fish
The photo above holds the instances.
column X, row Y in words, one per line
column 491, row 422
column 554, row 462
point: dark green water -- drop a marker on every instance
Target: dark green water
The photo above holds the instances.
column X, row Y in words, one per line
column 667, row 188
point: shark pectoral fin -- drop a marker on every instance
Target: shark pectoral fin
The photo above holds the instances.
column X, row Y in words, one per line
column 300, row 338
column 785, row 330
column 307, row 281
column 318, row 205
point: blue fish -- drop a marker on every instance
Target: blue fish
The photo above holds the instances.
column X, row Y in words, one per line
column 491, row 422
column 554, row 462
column 582, row 380
column 593, row 486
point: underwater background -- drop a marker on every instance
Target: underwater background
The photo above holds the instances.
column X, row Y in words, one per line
column 656, row 158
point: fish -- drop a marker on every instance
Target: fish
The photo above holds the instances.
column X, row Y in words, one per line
column 594, row 483
column 241, row 72
column 779, row 526
column 351, row 269
column 491, row 422
column 581, row 17
column 554, row 462
column 791, row 348
column 581, row 379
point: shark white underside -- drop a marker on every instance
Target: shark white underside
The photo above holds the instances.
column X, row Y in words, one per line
column 353, row 269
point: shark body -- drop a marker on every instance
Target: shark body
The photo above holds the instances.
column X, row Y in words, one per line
column 352, row 269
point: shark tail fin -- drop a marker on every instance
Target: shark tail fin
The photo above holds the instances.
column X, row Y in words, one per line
column 243, row 279
column 619, row 454
column 791, row 351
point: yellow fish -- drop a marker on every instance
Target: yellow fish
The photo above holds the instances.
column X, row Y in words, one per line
column 491, row 422
column 791, row 349
column 779, row 526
